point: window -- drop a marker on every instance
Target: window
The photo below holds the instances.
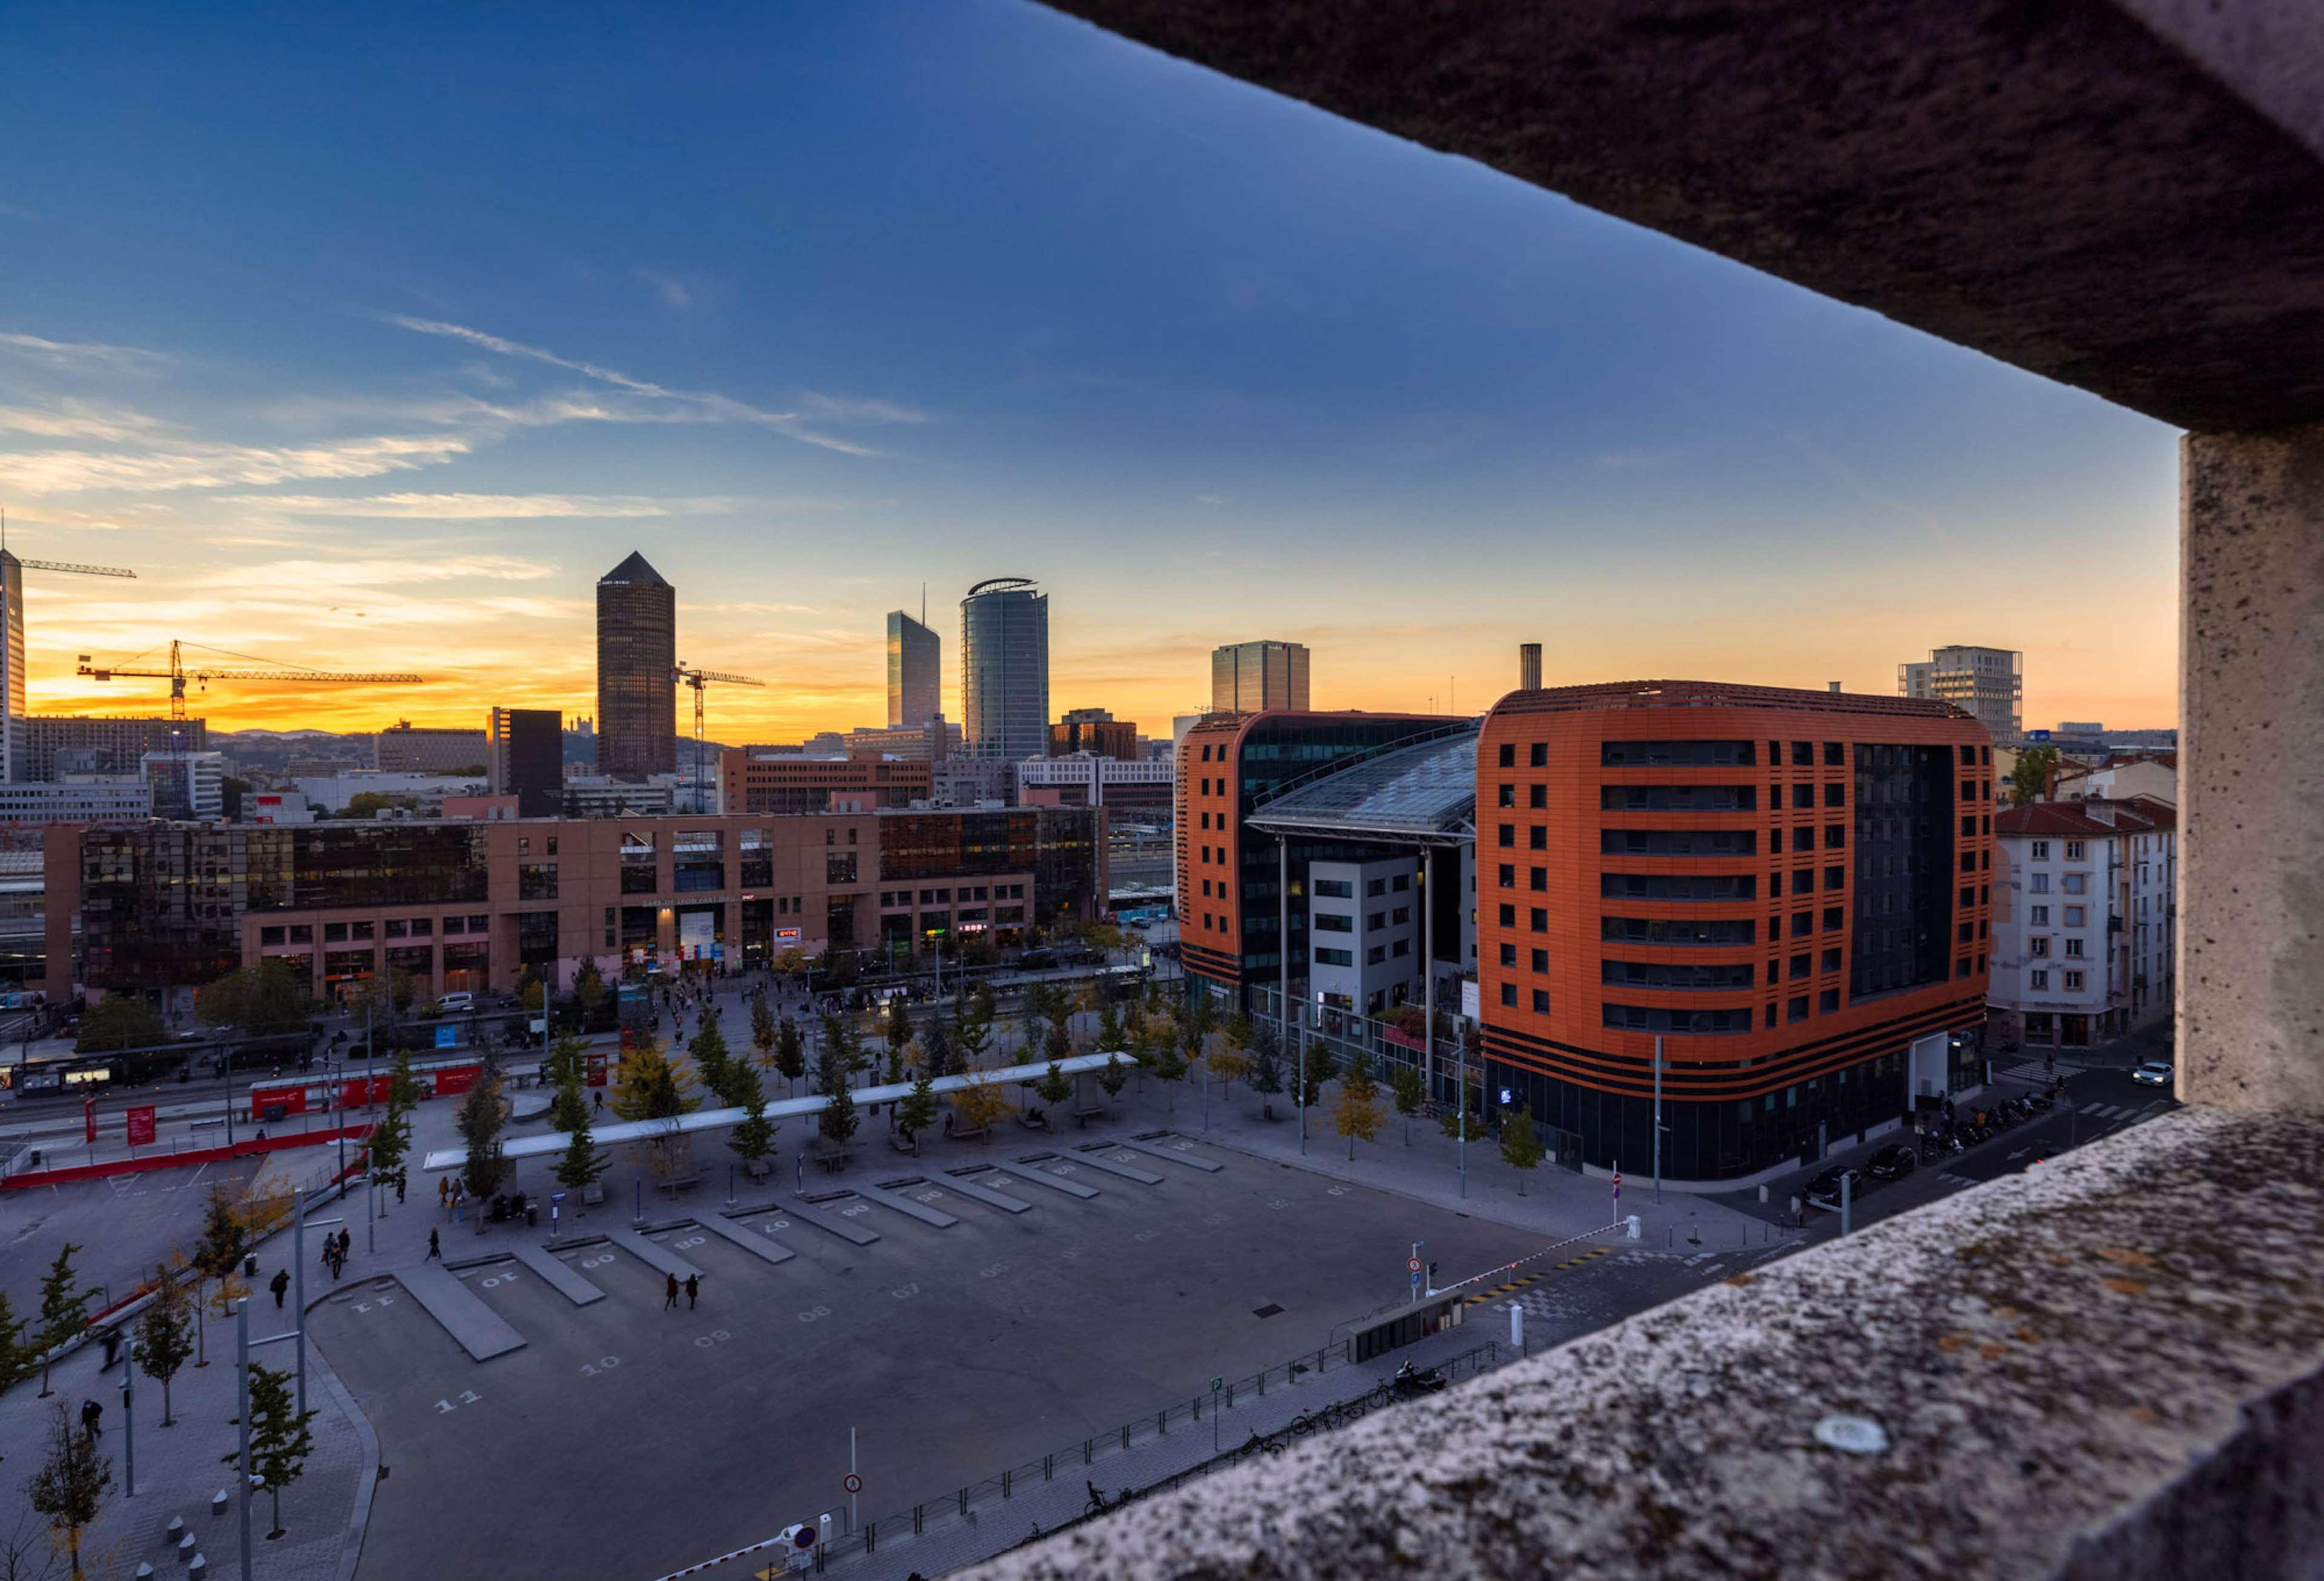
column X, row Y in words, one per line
column 1341, row 889
column 1335, row 958
column 1537, row 796
column 2037, row 883
column 1400, row 883
column 1774, row 842
column 1835, row 918
column 1968, row 756
column 1835, row 794
column 1541, row 962
column 1828, row 1001
column 1538, row 920
column 1803, row 754
column 1835, row 836
column 1508, row 837
column 1968, row 826
column 1374, row 887
column 1803, row 924
column 1634, row 755
column 1803, row 795
column 1402, row 947
column 1540, row 876
column 1400, row 916
column 1508, row 759
column 2078, row 883
column 335, row 933
column 1831, row 960
column 1968, row 895
column 2038, row 947
column 1541, row 1001
column 1508, row 955
column 274, row 935
column 2038, row 851
column 1797, row 1008
column 1377, row 956
column 1508, row 795
column 2074, row 915
column 1802, row 965
column 1835, row 755
column 1537, row 838
column 1969, row 790
column 2038, row 979
column 1334, row 923
column 2073, row 982
column 1508, row 916
column 838, row 867
column 2076, row 851
column 2073, row 949
column 1510, row 995
column 552, row 845
column 1835, row 878
column 1537, row 757
column 1509, row 876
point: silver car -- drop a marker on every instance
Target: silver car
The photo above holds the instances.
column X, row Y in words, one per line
column 2153, row 1073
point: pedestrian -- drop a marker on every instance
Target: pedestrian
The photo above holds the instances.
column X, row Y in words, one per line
column 346, row 1241
column 693, row 1289
column 434, row 1249
column 444, row 1191
column 89, row 1413
column 669, row 1291
column 112, row 1347
column 600, row 1096
column 278, row 1284
column 398, row 1187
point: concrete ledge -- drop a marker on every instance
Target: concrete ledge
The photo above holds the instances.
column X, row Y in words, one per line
column 2110, row 1369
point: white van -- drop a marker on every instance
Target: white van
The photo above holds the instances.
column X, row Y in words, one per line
column 456, row 1003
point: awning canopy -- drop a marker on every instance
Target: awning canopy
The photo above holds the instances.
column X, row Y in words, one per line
column 1424, row 793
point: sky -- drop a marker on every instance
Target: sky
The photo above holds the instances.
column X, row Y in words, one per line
column 371, row 339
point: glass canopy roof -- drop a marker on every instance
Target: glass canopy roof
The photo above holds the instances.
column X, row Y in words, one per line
column 1421, row 794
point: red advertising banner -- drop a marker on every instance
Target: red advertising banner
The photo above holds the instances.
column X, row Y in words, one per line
column 459, row 1078
column 88, row 1117
column 353, row 1091
column 597, row 1070
column 380, row 1087
column 290, row 1100
column 140, row 1124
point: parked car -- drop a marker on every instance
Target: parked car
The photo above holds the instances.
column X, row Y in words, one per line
column 1893, row 1162
column 1824, row 1189
column 2153, row 1073
column 458, row 1003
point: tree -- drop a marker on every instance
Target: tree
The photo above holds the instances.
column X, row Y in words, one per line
column 16, row 1356
column 762, row 1029
column 647, row 1086
column 974, row 1030
column 64, row 1311
column 1322, row 1065
column 790, row 1054
column 1409, row 1096
column 754, row 1138
column 221, row 1246
column 711, row 1057
column 369, row 804
column 260, row 999
column 120, row 1022
column 980, row 1104
column 1266, row 1071
column 838, row 1120
column 569, row 1111
column 70, row 1486
column 898, row 1030
column 1109, row 1027
column 582, row 1163
column 1112, row 1076
column 936, row 1047
column 918, row 1111
column 1055, row 1085
column 381, row 1001
column 589, row 988
column 1357, row 1113
column 165, row 1334
column 2030, row 778
column 567, row 1060
column 1520, row 1144
column 1060, row 1042
column 480, row 1119
column 280, row 1438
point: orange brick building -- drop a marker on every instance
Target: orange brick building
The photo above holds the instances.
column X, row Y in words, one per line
column 1787, row 886
column 748, row 784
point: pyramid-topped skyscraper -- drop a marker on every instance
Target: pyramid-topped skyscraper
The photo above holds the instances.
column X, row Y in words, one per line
column 637, row 651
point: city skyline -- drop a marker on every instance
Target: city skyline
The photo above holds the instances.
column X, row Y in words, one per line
column 380, row 416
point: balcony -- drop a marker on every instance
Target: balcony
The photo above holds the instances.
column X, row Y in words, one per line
column 2110, row 1366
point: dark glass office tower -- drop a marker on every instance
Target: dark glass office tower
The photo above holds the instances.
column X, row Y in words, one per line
column 915, row 672
column 1005, row 669
column 637, row 653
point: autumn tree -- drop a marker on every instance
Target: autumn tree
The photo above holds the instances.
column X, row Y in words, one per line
column 936, row 1047
column 70, row 1486
column 261, row 999
column 762, row 1029
column 121, row 1022
column 280, row 1436
column 981, row 1103
column 647, row 1086
column 2029, row 779
column 221, row 1245
column 1322, row 1065
column 1357, row 1113
column 1409, row 1096
column 1521, row 1147
column 1266, row 1067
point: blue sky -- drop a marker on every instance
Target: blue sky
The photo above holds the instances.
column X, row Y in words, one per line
column 374, row 337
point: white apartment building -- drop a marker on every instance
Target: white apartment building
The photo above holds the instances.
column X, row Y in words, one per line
column 1363, row 935
column 85, row 801
column 2085, row 900
column 1988, row 682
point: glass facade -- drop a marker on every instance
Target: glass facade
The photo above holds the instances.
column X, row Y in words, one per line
column 1903, row 869
column 637, row 653
column 915, row 671
column 1056, row 844
column 1005, row 669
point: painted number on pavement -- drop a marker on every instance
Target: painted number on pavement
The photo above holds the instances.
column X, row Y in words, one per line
column 905, row 1292
column 812, row 1313
column 601, row 1365
column 715, row 1336
column 467, row 1397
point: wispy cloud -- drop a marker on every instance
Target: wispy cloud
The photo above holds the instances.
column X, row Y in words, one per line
column 669, row 288
column 483, row 508
column 722, row 408
column 375, row 573
column 845, row 408
column 79, row 354
column 77, row 419
column 176, row 465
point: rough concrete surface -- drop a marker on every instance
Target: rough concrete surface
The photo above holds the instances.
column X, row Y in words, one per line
column 2051, row 1358
column 2251, row 677
column 2066, row 187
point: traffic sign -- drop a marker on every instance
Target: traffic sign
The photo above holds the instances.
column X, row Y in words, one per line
column 1217, row 1384
column 852, row 1483
column 1411, row 1265
column 557, row 1197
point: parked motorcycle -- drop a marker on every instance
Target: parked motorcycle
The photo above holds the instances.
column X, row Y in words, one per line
column 1420, row 1381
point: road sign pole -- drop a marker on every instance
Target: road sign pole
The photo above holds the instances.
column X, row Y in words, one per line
column 854, row 1483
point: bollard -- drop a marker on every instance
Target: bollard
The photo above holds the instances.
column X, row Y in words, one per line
column 1004, row 1484
column 1086, row 1444
column 918, row 1519
column 1049, row 1466
column 964, row 1500
column 1161, row 1424
column 1230, row 1397
column 1198, row 1408
column 1125, row 1434
column 871, row 1534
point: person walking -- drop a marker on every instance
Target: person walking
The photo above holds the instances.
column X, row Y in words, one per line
column 693, row 1289
column 435, row 1249
column 278, row 1284
column 669, row 1291
column 444, row 1192
column 398, row 1187
column 90, row 1411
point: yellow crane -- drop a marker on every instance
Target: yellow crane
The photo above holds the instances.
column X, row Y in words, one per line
column 176, row 675
column 687, row 676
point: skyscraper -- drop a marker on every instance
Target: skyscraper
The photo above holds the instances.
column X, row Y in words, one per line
column 637, row 654
column 1988, row 682
column 915, row 672
column 12, row 661
column 526, row 749
column 1246, row 676
column 1004, row 669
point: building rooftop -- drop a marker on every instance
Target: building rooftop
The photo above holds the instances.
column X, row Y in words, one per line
column 635, row 569
column 2139, row 815
column 1712, row 694
column 1424, row 791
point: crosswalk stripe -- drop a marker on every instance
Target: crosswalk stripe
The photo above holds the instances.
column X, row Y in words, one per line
column 2092, row 1108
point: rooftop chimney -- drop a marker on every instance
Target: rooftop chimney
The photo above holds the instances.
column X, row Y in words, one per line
column 1528, row 666
column 1833, row 684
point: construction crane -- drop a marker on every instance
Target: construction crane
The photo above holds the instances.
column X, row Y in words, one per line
column 176, row 675
column 76, row 570
column 696, row 679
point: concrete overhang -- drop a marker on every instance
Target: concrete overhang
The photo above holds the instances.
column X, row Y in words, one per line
column 2125, row 196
